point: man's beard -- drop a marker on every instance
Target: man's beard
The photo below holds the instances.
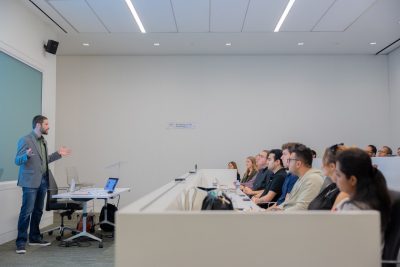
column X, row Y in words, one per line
column 43, row 131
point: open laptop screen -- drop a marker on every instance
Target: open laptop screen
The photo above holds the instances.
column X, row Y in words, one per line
column 111, row 184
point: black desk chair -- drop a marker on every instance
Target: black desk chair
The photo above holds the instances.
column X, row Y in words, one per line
column 64, row 207
column 392, row 234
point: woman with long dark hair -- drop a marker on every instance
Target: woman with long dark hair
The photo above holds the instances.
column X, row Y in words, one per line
column 365, row 184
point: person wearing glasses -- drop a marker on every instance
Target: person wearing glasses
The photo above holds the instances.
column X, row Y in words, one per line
column 290, row 179
column 365, row 184
column 371, row 150
column 308, row 184
column 261, row 178
column 330, row 194
column 385, row 151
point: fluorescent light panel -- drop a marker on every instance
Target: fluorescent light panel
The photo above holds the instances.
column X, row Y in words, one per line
column 135, row 15
column 283, row 17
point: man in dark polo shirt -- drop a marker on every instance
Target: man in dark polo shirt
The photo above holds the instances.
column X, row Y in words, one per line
column 273, row 187
column 262, row 176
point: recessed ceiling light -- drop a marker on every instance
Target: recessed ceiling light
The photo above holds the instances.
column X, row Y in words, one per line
column 156, row 44
column 301, row 43
column 85, row 44
column 135, row 15
column 372, row 43
column 228, row 44
column 284, row 14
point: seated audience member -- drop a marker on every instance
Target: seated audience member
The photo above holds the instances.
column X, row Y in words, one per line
column 371, row 150
column 273, row 187
column 314, row 154
column 365, row 184
column 330, row 195
column 328, row 180
column 290, row 179
column 308, row 184
column 385, row 151
column 262, row 176
column 398, row 151
column 232, row 165
column 251, row 169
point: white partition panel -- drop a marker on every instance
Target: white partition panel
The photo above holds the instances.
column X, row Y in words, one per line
column 200, row 239
column 390, row 167
column 153, row 231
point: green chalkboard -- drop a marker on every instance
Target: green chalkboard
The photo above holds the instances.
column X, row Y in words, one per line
column 20, row 101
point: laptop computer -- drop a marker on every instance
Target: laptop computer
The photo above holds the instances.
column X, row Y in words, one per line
column 110, row 185
column 109, row 188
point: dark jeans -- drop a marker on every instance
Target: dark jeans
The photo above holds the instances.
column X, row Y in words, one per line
column 31, row 212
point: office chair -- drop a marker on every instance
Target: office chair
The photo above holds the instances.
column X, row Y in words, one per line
column 392, row 234
column 64, row 207
column 72, row 173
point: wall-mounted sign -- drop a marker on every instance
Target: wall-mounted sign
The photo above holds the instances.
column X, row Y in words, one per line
column 181, row 125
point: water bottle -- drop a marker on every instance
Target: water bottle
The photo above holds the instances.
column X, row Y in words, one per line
column 237, row 184
column 215, row 183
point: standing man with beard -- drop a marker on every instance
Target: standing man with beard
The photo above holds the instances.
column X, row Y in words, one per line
column 33, row 159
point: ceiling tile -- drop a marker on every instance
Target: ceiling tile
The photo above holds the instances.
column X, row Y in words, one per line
column 305, row 14
column 192, row 15
column 342, row 14
column 262, row 16
column 79, row 15
column 114, row 14
column 227, row 15
column 156, row 15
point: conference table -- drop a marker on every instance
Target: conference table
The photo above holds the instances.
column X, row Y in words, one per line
column 84, row 195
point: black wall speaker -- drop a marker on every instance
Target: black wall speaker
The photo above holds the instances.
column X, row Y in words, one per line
column 51, row 46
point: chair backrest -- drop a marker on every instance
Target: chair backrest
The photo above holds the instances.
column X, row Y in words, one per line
column 392, row 233
column 72, row 173
column 52, row 190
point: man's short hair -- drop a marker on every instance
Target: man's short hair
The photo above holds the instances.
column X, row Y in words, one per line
column 388, row 149
column 289, row 146
column 304, row 154
column 277, row 155
column 314, row 153
column 373, row 148
column 38, row 119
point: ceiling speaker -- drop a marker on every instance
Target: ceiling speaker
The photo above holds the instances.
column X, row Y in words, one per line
column 51, row 46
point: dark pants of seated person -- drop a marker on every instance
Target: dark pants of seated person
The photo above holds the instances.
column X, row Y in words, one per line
column 266, row 205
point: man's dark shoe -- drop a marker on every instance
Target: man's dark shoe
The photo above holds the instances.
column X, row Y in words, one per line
column 20, row 249
column 42, row 243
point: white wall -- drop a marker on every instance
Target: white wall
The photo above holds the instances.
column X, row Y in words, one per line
column 22, row 35
column 113, row 109
column 394, row 84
